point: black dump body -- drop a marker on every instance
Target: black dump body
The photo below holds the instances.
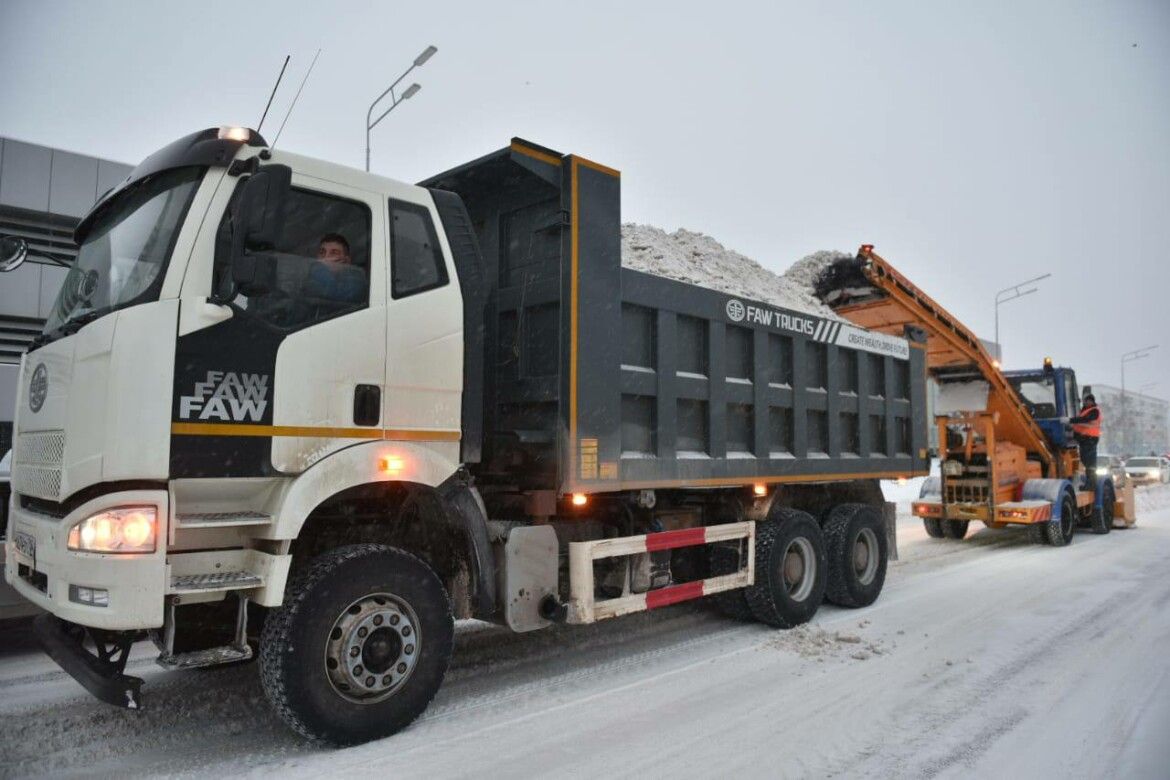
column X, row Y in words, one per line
column 599, row 378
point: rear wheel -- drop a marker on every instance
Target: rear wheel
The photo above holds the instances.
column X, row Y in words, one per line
column 1102, row 522
column 360, row 646
column 933, row 526
column 857, row 551
column 1037, row 533
column 1060, row 531
column 955, row 529
column 791, row 569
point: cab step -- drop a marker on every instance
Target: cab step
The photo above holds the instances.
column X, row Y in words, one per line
column 222, row 519
column 199, row 659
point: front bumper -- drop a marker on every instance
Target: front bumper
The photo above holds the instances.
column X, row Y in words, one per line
column 1146, row 479
column 136, row 584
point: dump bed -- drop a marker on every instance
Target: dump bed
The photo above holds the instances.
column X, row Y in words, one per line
column 599, row 378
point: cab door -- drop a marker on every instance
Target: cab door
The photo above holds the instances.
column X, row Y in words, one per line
column 278, row 380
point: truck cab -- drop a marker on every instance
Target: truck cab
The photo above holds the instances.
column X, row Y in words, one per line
column 1051, row 396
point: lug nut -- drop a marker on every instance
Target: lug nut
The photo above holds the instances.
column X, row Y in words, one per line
column 402, row 668
column 370, row 681
column 409, row 649
column 377, row 620
column 355, row 651
column 357, row 670
column 363, row 631
column 393, row 620
column 386, row 680
column 406, row 630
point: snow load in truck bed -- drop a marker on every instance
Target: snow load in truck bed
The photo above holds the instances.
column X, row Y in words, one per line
column 698, row 259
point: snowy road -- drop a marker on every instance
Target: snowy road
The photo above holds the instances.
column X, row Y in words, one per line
column 988, row 656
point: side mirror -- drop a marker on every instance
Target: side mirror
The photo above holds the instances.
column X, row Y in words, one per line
column 257, row 217
column 13, row 252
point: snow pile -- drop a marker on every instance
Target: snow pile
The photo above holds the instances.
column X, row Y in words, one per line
column 696, row 258
column 809, row 641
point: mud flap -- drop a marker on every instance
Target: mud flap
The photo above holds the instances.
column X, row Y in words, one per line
column 101, row 674
column 890, row 518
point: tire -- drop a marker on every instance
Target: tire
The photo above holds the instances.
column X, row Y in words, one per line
column 397, row 597
column 1060, row 532
column 1038, row 533
column 1102, row 522
column 933, row 526
column 732, row 603
column 857, row 552
column 791, row 569
column 955, row 529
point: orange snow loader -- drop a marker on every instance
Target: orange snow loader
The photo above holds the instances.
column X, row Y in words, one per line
column 1006, row 449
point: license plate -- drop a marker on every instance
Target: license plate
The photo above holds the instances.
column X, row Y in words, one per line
column 26, row 545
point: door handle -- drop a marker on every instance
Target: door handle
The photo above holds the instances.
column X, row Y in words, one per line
column 367, row 405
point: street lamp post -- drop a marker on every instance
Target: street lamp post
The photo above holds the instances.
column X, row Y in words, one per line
column 1010, row 294
column 407, row 94
column 1136, row 354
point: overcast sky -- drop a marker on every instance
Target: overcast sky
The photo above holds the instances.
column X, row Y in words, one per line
column 976, row 144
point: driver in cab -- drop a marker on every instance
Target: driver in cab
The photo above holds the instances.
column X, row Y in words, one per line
column 334, row 276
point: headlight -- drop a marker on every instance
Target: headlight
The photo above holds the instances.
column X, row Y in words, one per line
column 130, row 529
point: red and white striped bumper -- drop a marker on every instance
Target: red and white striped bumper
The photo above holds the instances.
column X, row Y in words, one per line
column 584, row 608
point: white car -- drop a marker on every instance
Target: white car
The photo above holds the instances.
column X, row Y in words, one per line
column 12, row 604
column 1148, row 470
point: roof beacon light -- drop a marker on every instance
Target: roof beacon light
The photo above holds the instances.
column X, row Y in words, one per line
column 241, row 134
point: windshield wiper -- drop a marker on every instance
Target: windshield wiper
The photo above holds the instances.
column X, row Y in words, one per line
column 67, row 328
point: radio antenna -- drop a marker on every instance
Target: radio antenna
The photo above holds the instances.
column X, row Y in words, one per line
column 275, row 87
column 295, row 97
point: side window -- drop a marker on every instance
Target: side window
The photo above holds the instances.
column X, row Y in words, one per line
column 416, row 259
column 320, row 263
column 1070, row 395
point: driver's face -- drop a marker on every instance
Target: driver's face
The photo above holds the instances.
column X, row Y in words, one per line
column 332, row 252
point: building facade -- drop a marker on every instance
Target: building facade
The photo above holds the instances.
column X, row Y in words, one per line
column 1134, row 423
column 44, row 192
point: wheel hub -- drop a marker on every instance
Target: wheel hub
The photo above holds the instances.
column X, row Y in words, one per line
column 373, row 648
column 798, row 569
column 865, row 556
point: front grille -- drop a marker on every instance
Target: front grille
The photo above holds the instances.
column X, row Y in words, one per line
column 36, row 464
column 966, row 491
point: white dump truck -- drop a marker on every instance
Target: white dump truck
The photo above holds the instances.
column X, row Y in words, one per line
column 287, row 408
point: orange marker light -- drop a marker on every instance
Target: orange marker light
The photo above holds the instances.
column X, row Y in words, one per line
column 760, row 490
column 901, row 480
column 995, row 364
column 392, row 464
column 580, row 499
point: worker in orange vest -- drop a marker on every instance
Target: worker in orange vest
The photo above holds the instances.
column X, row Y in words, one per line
column 1087, row 429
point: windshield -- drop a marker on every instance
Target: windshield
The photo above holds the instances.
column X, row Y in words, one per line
column 1140, row 462
column 1040, row 395
column 122, row 258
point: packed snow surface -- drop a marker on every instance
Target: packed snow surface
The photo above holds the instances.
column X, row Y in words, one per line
column 986, row 657
column 696, row 258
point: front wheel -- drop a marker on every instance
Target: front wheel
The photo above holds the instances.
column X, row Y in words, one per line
column 933, row 526
column 1102, row 522
column 791, row 569
column 360, row 646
